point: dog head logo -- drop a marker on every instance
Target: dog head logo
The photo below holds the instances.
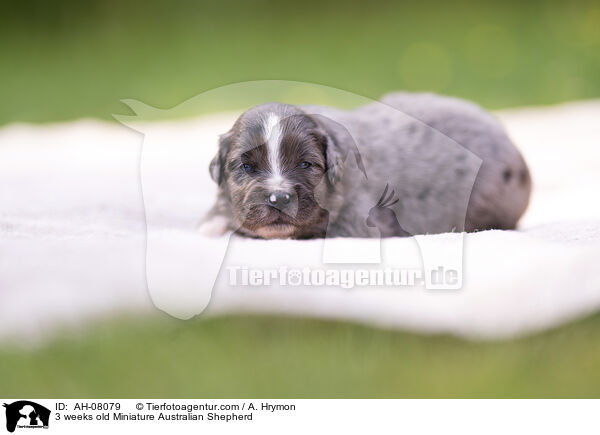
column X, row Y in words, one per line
column 268, row 187
column 26, row 414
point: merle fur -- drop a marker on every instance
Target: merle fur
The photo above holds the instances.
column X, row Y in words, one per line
column 450, row 164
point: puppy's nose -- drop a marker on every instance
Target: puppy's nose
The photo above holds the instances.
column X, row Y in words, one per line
column 279, row 198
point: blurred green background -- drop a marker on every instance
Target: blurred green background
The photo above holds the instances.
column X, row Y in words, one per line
column 71, row 59
column 67, row 60
column 271, row 357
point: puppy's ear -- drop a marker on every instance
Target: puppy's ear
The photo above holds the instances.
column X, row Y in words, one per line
column 333, row 157
column 337, row 143
column 217, row 164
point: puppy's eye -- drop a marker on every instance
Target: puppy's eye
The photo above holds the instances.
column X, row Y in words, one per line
column 305, row 165
column 248, row 168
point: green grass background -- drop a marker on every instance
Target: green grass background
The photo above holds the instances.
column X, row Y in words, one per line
column 279, row 357
column 70, row 59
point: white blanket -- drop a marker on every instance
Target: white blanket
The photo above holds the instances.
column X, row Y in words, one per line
column 73, row 235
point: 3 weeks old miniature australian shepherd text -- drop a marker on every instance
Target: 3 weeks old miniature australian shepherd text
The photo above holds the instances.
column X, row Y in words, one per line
column 408, row 164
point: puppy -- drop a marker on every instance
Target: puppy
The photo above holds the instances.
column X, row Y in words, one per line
column 287, row 171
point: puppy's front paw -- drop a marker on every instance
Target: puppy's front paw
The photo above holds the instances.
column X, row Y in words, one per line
column 214, row 227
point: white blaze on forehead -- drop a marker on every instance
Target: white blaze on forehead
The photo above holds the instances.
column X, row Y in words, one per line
column 272, row 131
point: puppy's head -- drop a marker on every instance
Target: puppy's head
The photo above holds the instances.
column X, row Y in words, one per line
column 269, row 166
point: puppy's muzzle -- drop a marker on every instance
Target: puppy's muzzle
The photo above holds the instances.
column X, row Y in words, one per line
column 284, row 201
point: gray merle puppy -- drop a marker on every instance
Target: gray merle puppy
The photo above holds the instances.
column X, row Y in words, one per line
column 408, row 164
